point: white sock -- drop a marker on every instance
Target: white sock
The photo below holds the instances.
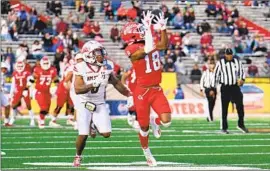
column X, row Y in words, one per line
column 53, row 118
column 42, row 121
column 14, row 113
column 70, row 117
column 31, row 114
column 6, row 120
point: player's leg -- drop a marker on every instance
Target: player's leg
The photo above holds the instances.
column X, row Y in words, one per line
column 44, row 101
column 4, row 102
column 15, row 103
column 60, row 101
column 83, row 119
column 27, row 100
column 143, row 116
column 70, row 111
column 161, row 106
column 102, row 121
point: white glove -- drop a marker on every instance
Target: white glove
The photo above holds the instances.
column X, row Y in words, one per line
column 161, row 22
column 130, row 102
column 149, row 42
column 97, row 81
column 147, row 19
column 25, row 93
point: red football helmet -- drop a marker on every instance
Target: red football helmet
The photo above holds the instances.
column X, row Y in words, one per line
column 19, row 66
column 132, row 32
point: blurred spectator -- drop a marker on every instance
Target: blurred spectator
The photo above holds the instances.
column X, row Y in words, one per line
column 121, row 13
column 90, row 9
column 95, row 31
column 188, row 44
column 235, row 12
column 265, row 70
column 206, row 39
column 202, row 27
column 21, row 51
column 47, row 42
column 230, row 24
column 87, row 27
column 36, row 50
column 49, row 7
column 57, row 8
column 103, row 4
column 55, row 21
column 243, row 30
column 166, row 13
column 178, row 21
column 61, row 26
column 176, row 9
column 4, row 31
column 109, row 15
column 195, row 75
column 238, row 48
column 169, row 65
column 262, row 45
column 236, row 38
column 178, row 92
column 180, row 66
column 188, row 20
column 5, row 6
column 190, row 10
column 115, row 35
column 75, row 42
column 11, row 57
column 175, row 40
column 252, row 70
column 40, row 26
column 67, row 42
column 211, row 9
column 14, row 33
column 221, row 52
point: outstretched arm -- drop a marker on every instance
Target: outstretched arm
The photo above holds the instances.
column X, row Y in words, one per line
column 118, row 85
column 80, row 86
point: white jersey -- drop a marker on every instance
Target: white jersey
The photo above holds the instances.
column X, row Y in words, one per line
column 89, row 74
column 3, row 81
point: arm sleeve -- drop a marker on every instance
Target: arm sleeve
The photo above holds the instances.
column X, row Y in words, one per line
column 202, row 80
column 216, row 78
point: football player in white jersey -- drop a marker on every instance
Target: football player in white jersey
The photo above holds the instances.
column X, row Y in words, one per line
column 4, row 99
column 91, row 78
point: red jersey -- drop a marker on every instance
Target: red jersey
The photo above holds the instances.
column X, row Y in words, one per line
column 44, row 78
column 20, row 79
column 148, row 70
column 28, row 68
column 131, row 81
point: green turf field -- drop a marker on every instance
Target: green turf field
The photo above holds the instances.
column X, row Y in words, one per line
column 187, row 144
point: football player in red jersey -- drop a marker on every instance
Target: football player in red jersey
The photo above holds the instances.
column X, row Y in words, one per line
column 44, row 74
column 63, row 96
column 20, row 90
column 145, row 58
column 129, row 79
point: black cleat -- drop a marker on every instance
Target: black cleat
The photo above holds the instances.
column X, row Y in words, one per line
column 224, row 131
column 243, row 129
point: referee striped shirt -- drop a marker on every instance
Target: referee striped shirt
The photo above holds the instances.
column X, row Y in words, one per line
column 228, row 72
column 206, row 79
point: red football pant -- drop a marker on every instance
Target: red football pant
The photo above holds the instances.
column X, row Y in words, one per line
column 17, row 99
column 145, row 98
column 63, row 96
column 43, row 100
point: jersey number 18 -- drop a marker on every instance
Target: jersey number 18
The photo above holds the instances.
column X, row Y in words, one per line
column 155, row 61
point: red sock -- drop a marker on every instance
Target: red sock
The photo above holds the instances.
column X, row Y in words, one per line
column 157, row 121
column 144, row 141
column 41, row 116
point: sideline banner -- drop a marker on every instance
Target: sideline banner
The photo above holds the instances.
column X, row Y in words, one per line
column 169, row 84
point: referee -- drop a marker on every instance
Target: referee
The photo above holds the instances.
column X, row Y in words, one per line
column 210, row 92
column 230, row 74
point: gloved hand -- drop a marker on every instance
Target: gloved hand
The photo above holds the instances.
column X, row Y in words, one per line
column 53, row 90
column 130, row 101
column 161, row 22
column 149, row 42
column 147, row 19
column 25, row 93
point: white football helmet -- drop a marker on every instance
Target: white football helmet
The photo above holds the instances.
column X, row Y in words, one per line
column 45, row 63
column 91, row 50
column 19, row 66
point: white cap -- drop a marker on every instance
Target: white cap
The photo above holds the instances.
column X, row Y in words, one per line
column 4, row 65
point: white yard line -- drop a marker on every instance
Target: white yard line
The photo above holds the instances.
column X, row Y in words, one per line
column 129, row 141
column 135, row 135
column 136, row 147
column 136, row 155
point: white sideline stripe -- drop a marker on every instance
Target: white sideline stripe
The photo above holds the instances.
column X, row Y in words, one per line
column 137, row 147
column 137, row 155
column 129, row 141
column 130, row 136
column 34, row 168
column 21, row 132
